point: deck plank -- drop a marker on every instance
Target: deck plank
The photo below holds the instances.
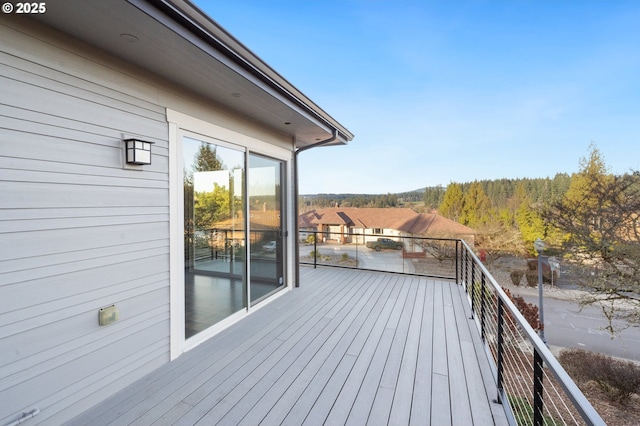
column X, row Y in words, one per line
column 365, row 351
column 318, row 372
column 388, row 385
column 252, row 387
column 314, row 328
column 402, row 398
column 203, row 389
column 367, row 397
column 348, row 347
column 440, row 385
column 184, row 373
column 478, row 372
column 460, row 409
column 421, row 400
column 276, row 405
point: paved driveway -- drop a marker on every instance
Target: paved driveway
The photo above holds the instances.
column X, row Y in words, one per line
column 568, row 326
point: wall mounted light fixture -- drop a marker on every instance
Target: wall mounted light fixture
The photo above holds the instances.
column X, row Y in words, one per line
column 137, row 151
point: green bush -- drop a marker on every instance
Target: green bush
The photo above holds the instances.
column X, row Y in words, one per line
column 523, row 412
column 618, row 379
column 345, row 256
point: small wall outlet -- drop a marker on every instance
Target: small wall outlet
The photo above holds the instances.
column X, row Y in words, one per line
column 108, row 315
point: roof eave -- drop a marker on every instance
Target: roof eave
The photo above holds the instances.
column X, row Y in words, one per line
column 193, row 17
column 178, row 42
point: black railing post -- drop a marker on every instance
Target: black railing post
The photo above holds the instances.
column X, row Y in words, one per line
column 482, row 305
column 357, row 242
column 466, row 269
column 315, row 249
column 538, row 418
column 500, row 350
column 473, row 288
column 457, row 263
column 213, row 252
column 402, row 253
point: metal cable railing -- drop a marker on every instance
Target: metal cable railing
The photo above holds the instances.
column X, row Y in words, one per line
column 531, row 383
column 430, row 257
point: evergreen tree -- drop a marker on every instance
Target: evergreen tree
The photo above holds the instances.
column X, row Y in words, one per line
column 433, row 197
column 592, row 171
column 531, row 224
column 206, row 159
column 211, row 207
column 452, row 202
column 476, row 207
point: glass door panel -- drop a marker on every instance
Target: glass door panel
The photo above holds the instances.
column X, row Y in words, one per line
column 266, row 224
column 214, row 234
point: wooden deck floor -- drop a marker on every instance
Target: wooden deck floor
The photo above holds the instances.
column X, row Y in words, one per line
column 347, row 347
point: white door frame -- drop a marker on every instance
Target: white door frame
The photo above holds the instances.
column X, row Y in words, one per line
column 179, row 125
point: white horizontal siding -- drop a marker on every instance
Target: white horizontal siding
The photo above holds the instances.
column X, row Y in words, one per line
column 77, row 213
column 78, row 230
column 69, row 96
column 31, row 195
column 34, row 353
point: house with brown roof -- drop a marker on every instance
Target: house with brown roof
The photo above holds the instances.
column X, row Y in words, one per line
column 359, row 225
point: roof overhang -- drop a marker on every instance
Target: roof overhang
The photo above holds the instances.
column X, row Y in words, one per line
column 178, row 42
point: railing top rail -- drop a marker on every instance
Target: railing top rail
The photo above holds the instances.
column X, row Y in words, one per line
column 575, row 394
column 359, row 234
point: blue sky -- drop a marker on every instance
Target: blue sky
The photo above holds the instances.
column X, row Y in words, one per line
column 453, row 91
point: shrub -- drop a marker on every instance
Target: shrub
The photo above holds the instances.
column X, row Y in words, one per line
column 523, row 412
column 516, row 276
column 528, row 310
column 310, row 239
column 532, row 278
column 618, row 379
column 345, row 256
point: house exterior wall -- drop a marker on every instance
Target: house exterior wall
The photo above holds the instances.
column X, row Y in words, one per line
column 333, row 232
column 368, row 234
column 80, row 230
column 360, row 235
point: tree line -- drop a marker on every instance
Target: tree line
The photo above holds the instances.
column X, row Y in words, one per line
column 501, row 192
column 590, row 219
column 504, row 212
column 350, row 200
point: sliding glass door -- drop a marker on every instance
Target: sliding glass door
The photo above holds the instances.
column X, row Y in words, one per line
column 266, row 223
column 218, row 193
column 214, row 233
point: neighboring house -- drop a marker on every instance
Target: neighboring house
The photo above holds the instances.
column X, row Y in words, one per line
column 359, row 225
column 110, row 269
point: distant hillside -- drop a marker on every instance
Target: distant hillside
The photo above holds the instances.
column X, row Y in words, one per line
column 350, row 200
column 499, row 191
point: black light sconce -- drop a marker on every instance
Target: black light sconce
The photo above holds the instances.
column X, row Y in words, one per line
column 137, row 151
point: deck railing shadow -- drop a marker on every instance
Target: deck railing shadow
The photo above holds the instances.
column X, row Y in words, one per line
column 533, row 387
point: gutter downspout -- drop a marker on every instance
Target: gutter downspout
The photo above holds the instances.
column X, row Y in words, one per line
column 296, row 200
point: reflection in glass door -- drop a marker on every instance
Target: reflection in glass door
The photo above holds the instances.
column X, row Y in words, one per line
column 266, row 225
column 214, row 236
